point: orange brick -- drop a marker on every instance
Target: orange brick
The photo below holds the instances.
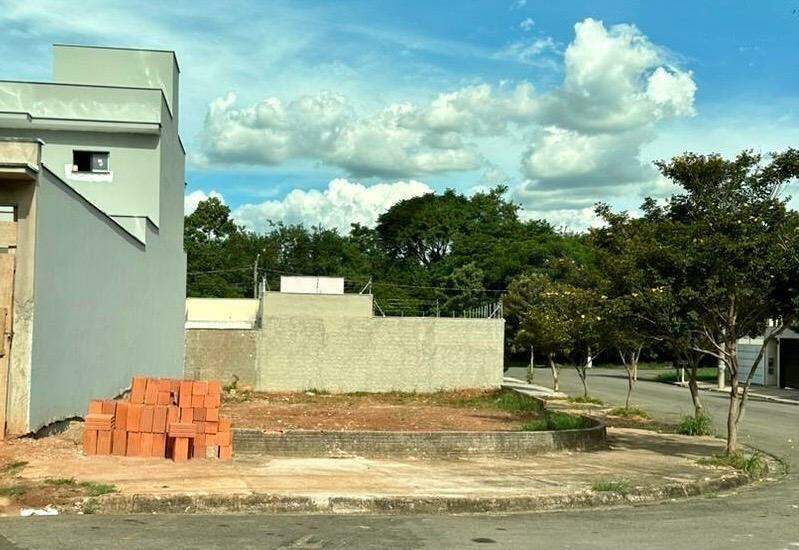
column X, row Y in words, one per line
column 164, row 384
column 119, row 442
column 137, row 389
column 197, row 401
column 198, row 446
column 226, row 452
column 185, row 394
column 159, row 419
column 199, row 427
column 146, row 448
column 210, row 440
column 224, row 438
column 174, row 386
column 99, row 422
column 182, row 429
column 212, row 401
column 181, row 449
column 134, row 418
column 159, row 445
column 212, row 415
column 134, row 443
column 109, row 407
column 224, row 424
column 214, row 387
column 164, row 398
column 211, row 427
column 90, row 442
column 173, row 415
column 187, row 415
column 151, row 393
column 95, row 407
column 147, row 414
column 200, row 387
column 199, row 414
column 121, row 418
column 104, row 442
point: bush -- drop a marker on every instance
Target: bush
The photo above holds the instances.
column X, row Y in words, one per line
column 753, row 464
column 618, row 486
column 583, row 399
column 695, row 425
column 703, row 374
column 628, row 412
column 555, row 421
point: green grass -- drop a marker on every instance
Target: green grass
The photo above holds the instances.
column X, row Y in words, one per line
column 90, row 506
column 695, row 425
column 619, row 486
column 506, row 400
column 14, row 491
column 629, row 412
column 551, row 421
column 704, row 374
column 754, row 464
column 13, row 468
column 98, row 489
column 583, row 399
column 62, row 482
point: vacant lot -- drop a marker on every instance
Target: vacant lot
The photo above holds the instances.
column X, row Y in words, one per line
column 473, row 410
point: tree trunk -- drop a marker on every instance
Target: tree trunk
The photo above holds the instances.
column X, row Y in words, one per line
column 731, row 361
column 694, row 387
column 530, row 368
column 555, row 372
column 582, row 372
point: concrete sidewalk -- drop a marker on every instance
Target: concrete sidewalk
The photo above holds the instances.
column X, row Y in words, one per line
column 647, row 465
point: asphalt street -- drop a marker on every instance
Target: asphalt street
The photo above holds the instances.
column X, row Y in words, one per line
column 762, row 516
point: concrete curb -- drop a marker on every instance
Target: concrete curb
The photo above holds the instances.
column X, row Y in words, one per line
column 753, row 396
column 403, row 505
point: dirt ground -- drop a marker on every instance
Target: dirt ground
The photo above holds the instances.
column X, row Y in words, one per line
column 471, row 410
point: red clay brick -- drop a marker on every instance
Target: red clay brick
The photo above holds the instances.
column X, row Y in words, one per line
column 200, row 427
column 212, row 415
column 224, row 424
column 182, row 429
column 211, row 427
column 210, row 440
column 134, row 443
column 137, row 389
column 99, row 422
column 225, row 452
column 198, row 446
column 134, row 417
column 121, row 418
column 119, row 442
column 147, row 413
column 187, row 415
column 104, row 442
column 185, row 394
column 109, row 407
column 197, row 401
column 163, row 398
column 214, row 387
column 200, row 387
column 90, row 442
column 159, row 419
column 224, row 438
column 159, row 445
column 212, row 401
column 146, row 448
column 180, row 452
column 95, row 407
column 164, row 384
column 173, row 415
column 174, row 386
column 199, row 414
column 151, row 393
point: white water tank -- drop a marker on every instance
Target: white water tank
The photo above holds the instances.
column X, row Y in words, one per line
column 311, row 285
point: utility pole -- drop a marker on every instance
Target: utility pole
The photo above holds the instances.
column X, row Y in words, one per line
column 255, row 276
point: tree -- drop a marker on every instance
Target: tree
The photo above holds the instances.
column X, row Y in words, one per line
column 738, row 248
column 533, row 304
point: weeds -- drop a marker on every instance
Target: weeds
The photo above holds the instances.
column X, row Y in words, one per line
column 63, row 482
column 704, row 374
column 14, row 491
column 695, row 425
column 90, row 506
column 97, row 489
column 13, row 468
column 585, row 400
column 619, row 486
column 754, row 464
column 552, row 421
column 629, row 412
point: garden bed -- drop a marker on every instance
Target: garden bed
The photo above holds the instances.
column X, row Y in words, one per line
column 465, row 411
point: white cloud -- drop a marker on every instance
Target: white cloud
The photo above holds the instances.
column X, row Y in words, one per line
column 578, row 219
column 527, row 24
column 343, row 202
column 538, row 52
column 194, row 198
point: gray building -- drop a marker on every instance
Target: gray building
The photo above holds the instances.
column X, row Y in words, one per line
column 92, row 268
column 780, row 364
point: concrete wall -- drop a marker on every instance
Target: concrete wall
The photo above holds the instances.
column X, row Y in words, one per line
column 348, row 353
column 105, row 306
column 282, row 304
column 222, row 309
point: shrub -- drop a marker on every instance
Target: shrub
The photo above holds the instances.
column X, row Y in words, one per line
column 583, row 399
column 753, row 464
column 629, row 412
column 619, row 486
column 695, row 425
column 554, row 421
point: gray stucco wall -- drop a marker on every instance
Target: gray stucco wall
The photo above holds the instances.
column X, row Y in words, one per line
column 350, row 354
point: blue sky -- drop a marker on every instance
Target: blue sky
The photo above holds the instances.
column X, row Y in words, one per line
column 328, row 112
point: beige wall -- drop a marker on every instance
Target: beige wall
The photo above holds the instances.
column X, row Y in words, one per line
column 225, row 355
column 282, row 304
column 222, row 309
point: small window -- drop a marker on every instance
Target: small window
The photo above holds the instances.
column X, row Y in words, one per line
column 89, row 161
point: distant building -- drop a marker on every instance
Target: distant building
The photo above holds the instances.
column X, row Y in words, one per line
column 780, row 364
column 92, row 268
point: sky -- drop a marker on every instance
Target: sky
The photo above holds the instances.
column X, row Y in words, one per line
column 330, row 112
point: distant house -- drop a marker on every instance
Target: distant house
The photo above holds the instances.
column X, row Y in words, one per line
column 92, row 268
column 780, row 364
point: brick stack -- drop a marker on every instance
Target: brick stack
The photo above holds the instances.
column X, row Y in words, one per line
column 176, row 419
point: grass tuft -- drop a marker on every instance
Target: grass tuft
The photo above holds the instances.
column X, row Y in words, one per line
column 753, row 464
column 583, row 399
column 619, row 486
column 13, row 468
column 14, row 491
column 703, row 374
column 695, row 425
column 98, row 489
column 90, row 506
column 63, row 482
column 552, row 421
column 629, row 412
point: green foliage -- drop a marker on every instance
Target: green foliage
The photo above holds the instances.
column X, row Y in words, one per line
column 703, row 374
column 505, row 399
column 13, row 468
column 753, row 464
column 582, row 399
column 97, row 489
column 13, row 491
column 551, row 421
column 61, row 482
column 90, row 506
column 621, row 487
column 629, row 412
column 695, row 425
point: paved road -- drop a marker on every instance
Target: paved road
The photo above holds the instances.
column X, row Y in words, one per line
column 766, row 516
